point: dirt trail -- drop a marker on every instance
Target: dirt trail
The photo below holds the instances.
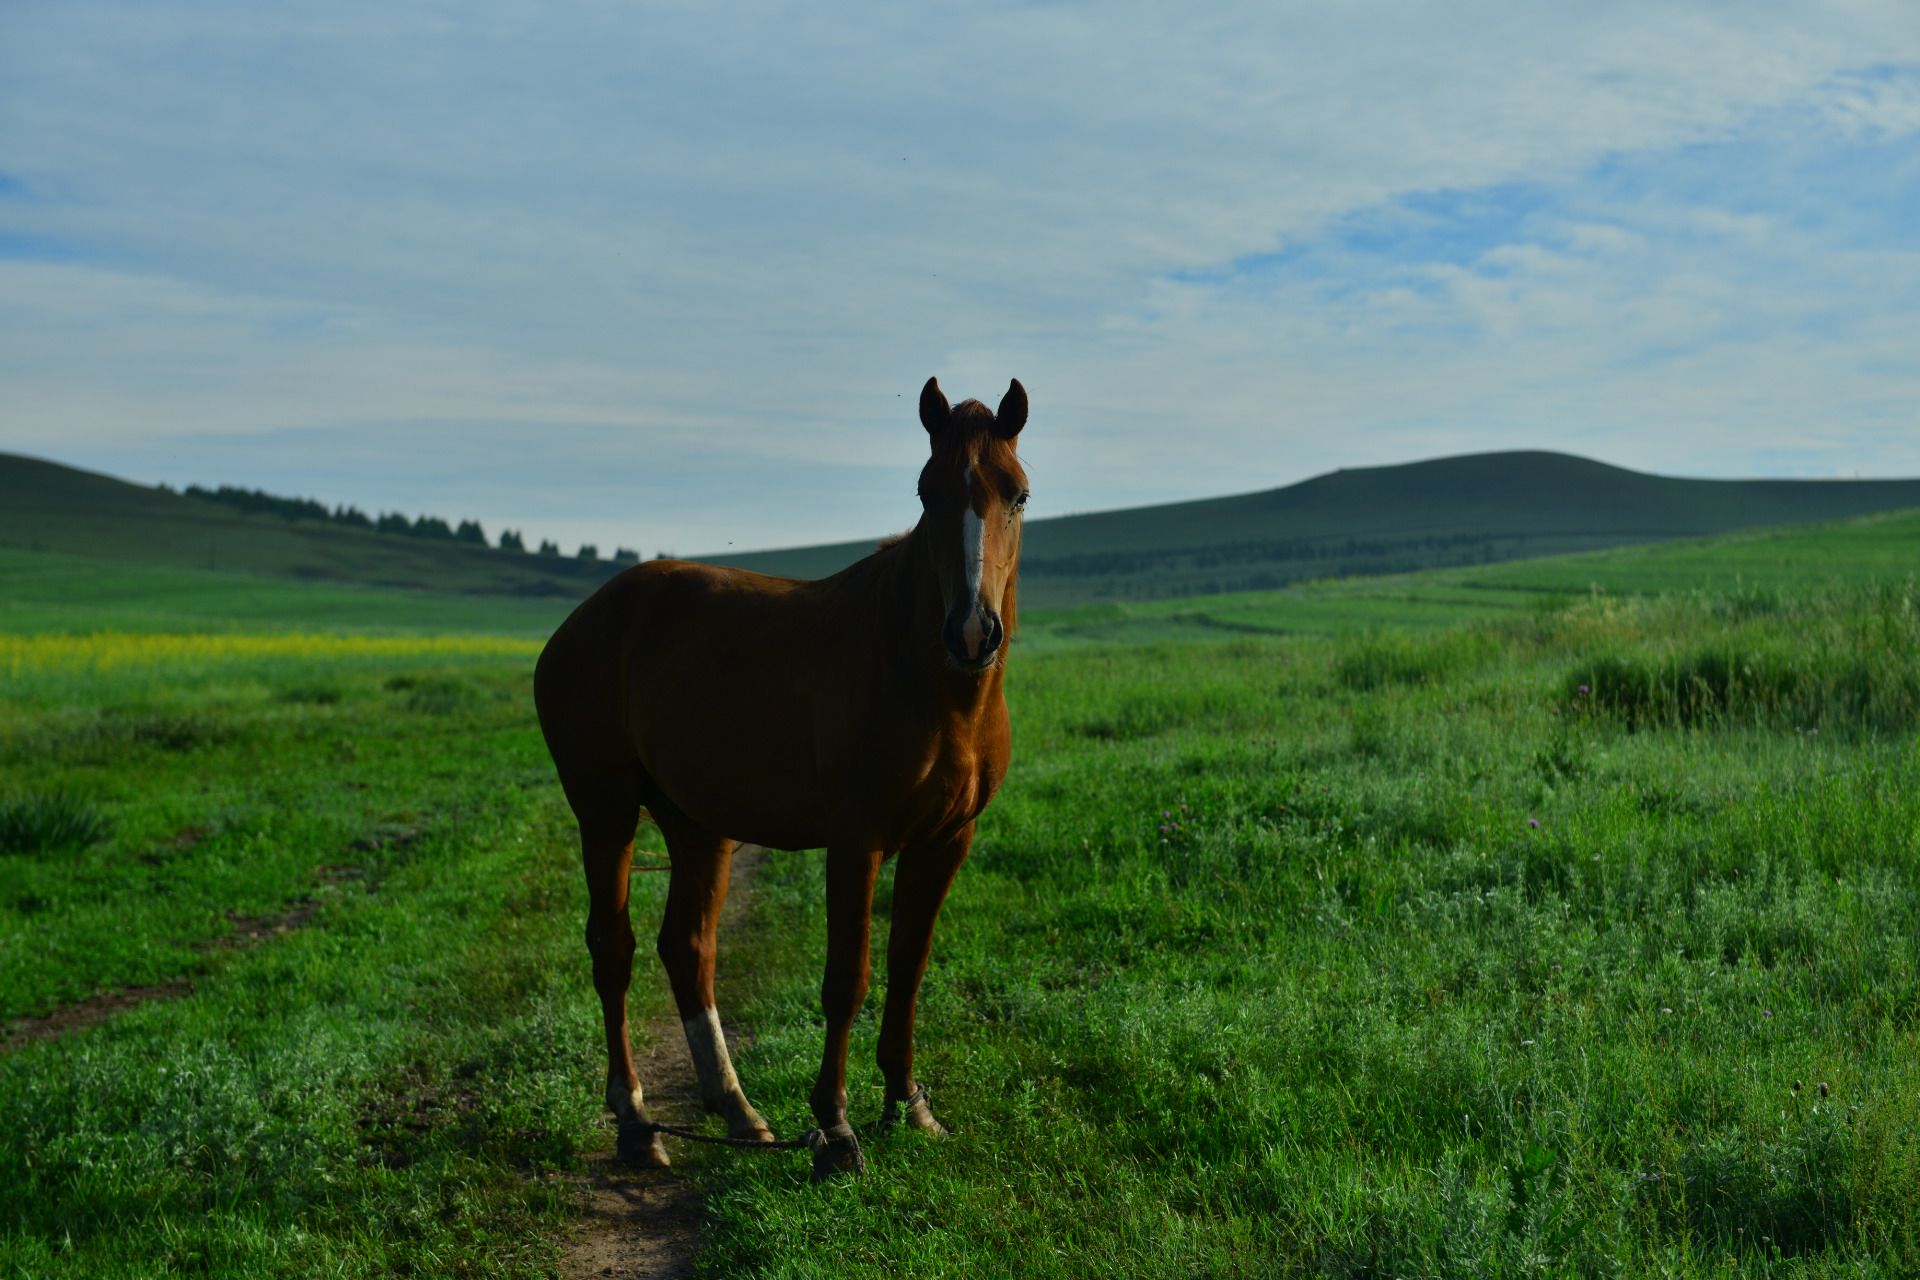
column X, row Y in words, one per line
column 90, row 1012
column 647, row 1224
column 247, row 932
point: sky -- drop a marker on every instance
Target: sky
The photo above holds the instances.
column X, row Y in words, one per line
column 670, row 276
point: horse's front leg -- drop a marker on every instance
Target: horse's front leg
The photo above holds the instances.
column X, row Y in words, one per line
column 920, row 885
column 851, row 872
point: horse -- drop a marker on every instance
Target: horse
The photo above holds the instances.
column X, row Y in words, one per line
column 861, row 714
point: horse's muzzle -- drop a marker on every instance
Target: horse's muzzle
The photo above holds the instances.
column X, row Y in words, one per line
column 972, row 635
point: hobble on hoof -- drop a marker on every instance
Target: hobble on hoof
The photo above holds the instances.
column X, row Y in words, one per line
column 916, row 1110
column 638, row 1145
column 836, row 1152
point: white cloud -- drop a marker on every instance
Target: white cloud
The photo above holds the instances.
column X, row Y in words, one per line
column 561, row 218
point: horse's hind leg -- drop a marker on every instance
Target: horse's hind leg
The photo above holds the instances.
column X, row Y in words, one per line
column 606, row 846
column 687, row 948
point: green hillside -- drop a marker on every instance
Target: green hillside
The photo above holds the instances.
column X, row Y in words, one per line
column 46, row 592
column 1462, row 512
column 1755, row 565
column 47, row 507
column 1478, row 509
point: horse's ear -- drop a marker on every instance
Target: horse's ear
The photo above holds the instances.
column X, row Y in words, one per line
column 933, row 407
column 1012, row 413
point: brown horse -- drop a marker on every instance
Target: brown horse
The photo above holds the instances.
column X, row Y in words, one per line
column 861, row 713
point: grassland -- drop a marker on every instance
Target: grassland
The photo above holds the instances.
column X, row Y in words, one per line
column 1581, row 943
column 46, row 592
column 331, row 875
column 1464, row 924
column 1760, row 563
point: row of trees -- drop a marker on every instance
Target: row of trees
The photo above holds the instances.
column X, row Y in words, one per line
column 258, row 501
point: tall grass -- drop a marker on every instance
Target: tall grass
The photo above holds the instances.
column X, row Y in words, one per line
column 49, row 822
column 1845, row 660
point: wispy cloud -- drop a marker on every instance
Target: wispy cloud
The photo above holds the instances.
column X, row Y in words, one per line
column 585, row 242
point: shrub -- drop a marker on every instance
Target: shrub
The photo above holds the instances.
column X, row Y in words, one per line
column 52, row 821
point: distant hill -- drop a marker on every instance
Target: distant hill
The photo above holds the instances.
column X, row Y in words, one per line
column 1476, row 509
column 45, row 506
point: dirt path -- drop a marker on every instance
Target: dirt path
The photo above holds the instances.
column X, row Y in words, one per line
column 647, row 1224
column 247, row 933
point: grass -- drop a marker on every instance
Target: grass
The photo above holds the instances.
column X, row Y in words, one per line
column 1391, row 955
column 1750, row 572
column 49, row 821
column 1312, row 934
column 45, row 593
column 394, row 1086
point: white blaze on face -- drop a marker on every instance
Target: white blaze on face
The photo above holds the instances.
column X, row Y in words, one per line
column 973, row 546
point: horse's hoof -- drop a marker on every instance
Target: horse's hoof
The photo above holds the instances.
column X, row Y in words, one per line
column 638, row 1146
column 745, row 1124
column 915, row 1111
column 836, row 1153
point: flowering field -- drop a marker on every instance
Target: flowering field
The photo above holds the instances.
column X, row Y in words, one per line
column 100, row 652
column 1576, row 937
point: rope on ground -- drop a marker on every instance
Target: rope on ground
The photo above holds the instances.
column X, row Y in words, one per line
column 811, row 1140
column 762, row 1144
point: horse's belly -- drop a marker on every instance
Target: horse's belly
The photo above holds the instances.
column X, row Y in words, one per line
column 746, row 805
column 738, row 761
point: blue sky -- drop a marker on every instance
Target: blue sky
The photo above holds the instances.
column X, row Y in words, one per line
column 671, row 276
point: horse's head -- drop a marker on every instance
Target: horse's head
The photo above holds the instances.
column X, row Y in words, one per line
column 973, row 492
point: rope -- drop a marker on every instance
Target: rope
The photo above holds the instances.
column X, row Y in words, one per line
column 692, row 1135
column 811, row 1140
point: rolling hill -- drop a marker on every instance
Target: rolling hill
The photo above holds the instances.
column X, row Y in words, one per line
column 1478, row 509
column 45, row 506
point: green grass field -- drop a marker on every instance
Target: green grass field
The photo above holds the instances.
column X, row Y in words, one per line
column 42, row 592
column 1475, row 923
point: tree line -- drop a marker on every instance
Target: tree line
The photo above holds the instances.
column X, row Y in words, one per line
column 432, row 528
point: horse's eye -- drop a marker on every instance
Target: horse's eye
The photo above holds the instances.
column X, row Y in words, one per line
column 1020, row 502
